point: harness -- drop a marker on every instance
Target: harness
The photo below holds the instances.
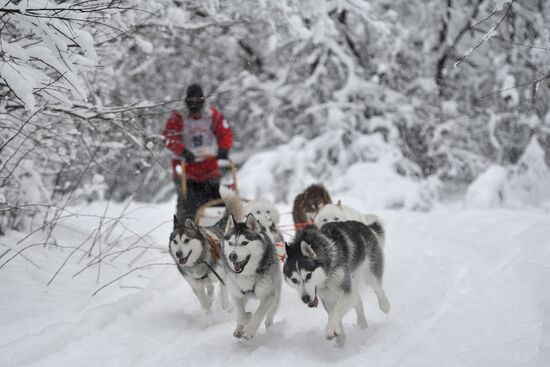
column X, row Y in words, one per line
column 215, row 254
column 215, row 247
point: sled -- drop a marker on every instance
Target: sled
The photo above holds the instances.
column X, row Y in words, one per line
column 212, row 211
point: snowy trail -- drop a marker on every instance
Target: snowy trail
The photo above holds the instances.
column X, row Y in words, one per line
column 467, row 288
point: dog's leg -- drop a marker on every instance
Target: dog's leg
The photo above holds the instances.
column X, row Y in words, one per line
column 226, row 305
column 273, row 310
column 198, row 289
column 251, row 327
column 383, row 302
column 242, row 316
column 209, row 285
column 329, row 304
column 361, row 319
column 336, row 311
column 341, row 338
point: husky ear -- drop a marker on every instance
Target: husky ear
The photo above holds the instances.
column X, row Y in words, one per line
column 287, row 248
column 307, row 251
column 230, row 223
column 252, row 223
column 339, row 203
column 177, row 222
column 189, row 224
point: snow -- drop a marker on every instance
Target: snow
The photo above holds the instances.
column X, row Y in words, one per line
column 508, row 91
column 19, row 80
column 467, row 288
column 525, row 184
column 360, row 166
column 499, row 4
column 488, row 190
column 145, row 45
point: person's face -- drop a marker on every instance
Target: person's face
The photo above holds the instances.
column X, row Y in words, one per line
column 194, row 104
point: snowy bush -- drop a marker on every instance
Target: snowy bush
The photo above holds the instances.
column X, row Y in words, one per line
column 530, row 177
column 362, row 166
column 525, row 183
column 489, row 190
column 24, row 202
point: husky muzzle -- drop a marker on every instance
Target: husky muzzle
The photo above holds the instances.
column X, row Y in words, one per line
column 238, row 266
column 310, row 302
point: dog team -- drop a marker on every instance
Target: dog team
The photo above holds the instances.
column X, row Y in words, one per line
column 335, row 250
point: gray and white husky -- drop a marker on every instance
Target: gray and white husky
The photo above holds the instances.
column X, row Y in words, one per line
column 251, row 268
column 331, row 263
column 196, row 251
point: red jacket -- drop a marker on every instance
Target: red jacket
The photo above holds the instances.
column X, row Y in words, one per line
column 174, row 140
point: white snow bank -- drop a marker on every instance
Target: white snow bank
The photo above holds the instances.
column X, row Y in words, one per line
column 530, row 182
column 526, row 183
column 488, row 190
column 379, row 186
column 363, row 166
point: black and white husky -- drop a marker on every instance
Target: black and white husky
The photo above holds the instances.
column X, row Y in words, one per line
column 196, row 251
column 251, row 267
column 330, row 263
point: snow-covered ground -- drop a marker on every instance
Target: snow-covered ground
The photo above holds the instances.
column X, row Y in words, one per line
column 467, row 288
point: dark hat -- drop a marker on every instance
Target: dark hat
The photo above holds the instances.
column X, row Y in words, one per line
column 194, row 90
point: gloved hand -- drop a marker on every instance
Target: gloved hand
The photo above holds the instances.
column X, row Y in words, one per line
column 223, row 154
column 188, row 156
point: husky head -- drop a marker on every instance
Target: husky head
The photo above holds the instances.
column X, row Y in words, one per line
column 303, row 271
column 186, row 242
column 330, row 213
column 244, row 246
column 265, row 212
column 307, row 204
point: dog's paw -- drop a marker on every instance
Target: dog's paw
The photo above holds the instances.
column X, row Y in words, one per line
column 332, row 332
column 362, row 323
column 384, row 305
column 238, row 334
column 248, row 332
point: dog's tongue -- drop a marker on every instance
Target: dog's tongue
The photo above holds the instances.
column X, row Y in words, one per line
column 314, row 303
column 183, row 260
column 238, row 266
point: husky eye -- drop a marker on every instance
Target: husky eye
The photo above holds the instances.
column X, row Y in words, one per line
column 294, row 280
column 186, row 240
column 258, row 212
column 269, row 212
column 308, row 276
column 244, row 243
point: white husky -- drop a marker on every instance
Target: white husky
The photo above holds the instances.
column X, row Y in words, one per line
column 341, row 213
